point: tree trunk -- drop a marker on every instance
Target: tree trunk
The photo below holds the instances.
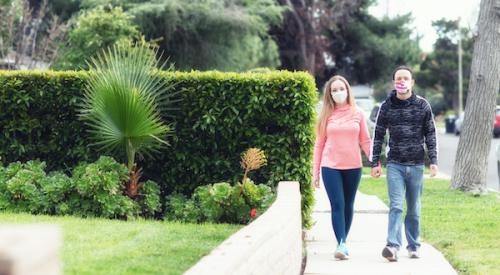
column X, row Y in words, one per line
column 469, row 173
column 297, row 13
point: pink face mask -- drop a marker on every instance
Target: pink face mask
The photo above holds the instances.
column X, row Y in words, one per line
column 401, row 86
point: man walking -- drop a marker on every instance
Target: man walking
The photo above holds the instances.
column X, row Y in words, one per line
column 410, row 123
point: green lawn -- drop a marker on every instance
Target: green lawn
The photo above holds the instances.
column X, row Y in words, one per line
column 100, row 246
column 465, row 228
column 440, row 124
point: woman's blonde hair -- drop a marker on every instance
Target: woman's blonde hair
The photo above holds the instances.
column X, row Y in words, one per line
column 329, row 105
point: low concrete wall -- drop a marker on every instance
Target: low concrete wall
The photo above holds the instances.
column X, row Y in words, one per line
column 272, row 244
column 29, row 250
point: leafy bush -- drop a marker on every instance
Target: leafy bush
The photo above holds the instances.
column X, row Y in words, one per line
column 39, row 118
column 220, row 115
column 94, row 31
column 438, row 103
column 149, row 200
column 180, row 208
column 22, row 186
column 221, row 203
column 57, row 187
column 94, row 190
column 99, row 187
column 236, row 43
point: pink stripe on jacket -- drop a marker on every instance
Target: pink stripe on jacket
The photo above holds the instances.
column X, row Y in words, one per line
column 346, row 132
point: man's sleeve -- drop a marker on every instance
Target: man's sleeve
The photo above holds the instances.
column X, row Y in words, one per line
column 378, row 136
column 430, row 134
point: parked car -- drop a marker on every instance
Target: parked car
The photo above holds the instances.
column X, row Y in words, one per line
column 363, row 95
column 496, row 128
column 498, row 161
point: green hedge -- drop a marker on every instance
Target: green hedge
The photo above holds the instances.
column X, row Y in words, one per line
column 219, row 117
column 38, row 118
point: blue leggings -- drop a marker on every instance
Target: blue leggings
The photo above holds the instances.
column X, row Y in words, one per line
column 341, row 187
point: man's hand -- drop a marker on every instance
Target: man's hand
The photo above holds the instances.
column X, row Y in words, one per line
column 316, row 183
column 434, row 170
column 376, row 171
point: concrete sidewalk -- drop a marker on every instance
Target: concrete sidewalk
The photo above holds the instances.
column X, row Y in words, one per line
column 365, row 243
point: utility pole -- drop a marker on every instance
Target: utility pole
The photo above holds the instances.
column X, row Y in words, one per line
column 460, row 80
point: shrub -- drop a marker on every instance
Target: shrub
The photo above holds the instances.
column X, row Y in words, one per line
column 220, row 115
column 57, row 187
column 96, row 30
column 105, row 175
column 149, row 199
column 94, row 190
column 100, row 190
column 180, row 208
column 22, row 187
column 221, row 203
column 438, row 103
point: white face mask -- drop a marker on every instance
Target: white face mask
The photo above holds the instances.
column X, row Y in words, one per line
column 340, row 96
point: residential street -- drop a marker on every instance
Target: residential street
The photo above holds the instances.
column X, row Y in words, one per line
column 447, row 150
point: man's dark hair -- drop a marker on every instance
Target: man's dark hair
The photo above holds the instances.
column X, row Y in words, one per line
column 402, row 67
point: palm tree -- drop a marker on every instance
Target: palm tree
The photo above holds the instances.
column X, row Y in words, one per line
column 122, row 102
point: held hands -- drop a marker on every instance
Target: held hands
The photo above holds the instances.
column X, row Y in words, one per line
column 376, row 171
column 434, row 170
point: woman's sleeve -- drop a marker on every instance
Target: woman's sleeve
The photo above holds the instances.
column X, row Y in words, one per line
column 364, row 137
column 318, row 151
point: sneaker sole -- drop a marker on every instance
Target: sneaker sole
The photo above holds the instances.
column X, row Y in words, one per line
column 414, row 257
column 386, row 253
column 340, row 256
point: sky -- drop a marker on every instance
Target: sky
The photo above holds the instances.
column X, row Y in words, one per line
column 426, row 11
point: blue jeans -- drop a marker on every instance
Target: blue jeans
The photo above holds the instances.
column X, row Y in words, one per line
column 404, row 181
column 341, row 187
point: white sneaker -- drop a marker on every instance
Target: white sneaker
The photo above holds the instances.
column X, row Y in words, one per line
column 413, row 253
column 390, row 253
column 341, row 252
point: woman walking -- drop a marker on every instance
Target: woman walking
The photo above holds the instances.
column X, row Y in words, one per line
column 341, row 131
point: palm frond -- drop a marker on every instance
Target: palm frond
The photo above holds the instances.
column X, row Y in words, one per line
column 121, row 101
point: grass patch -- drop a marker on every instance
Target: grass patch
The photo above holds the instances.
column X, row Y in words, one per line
column 463, row 227
column 440, row 124
column 100, row 246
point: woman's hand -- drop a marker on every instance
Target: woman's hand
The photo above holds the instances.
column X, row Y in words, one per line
column 316, row 183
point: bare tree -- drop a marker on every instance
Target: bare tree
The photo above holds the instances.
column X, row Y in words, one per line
column 8, row 31
column 469, row 173
column 24, row 42
column 301, row 38
column 21, row 34
column 49, row 49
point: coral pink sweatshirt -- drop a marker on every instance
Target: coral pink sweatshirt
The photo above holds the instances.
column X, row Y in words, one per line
column 346, row 131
